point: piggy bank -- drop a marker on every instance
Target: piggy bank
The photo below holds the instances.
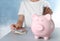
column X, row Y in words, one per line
column 42, row 26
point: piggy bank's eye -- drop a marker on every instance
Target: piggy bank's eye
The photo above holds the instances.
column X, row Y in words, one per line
column 37, row 19
column 42, row 20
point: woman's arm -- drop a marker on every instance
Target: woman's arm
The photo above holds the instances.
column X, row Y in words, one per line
column 20, row 21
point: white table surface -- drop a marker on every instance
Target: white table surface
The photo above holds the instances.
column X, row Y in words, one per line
column 29, row 36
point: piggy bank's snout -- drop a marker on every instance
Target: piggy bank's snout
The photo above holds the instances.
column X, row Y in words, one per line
column 41, row 28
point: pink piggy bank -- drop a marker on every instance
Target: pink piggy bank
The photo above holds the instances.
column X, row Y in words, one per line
column 42, row 26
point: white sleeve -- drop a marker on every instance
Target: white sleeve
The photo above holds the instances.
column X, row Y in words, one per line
column 21, row 9
column 47, row 4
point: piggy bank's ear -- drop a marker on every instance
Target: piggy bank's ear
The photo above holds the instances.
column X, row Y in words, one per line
column 34, row 16
column 48, row 16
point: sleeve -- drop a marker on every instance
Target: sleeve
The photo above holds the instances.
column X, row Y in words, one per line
column 21, row 9
column 47, row 4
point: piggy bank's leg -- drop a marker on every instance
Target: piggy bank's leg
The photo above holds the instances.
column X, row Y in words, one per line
column 36, row 37
column 46, row 38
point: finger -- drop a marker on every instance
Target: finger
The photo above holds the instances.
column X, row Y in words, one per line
column 12, row 27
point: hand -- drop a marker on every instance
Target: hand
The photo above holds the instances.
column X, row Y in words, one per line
column 15, row 26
